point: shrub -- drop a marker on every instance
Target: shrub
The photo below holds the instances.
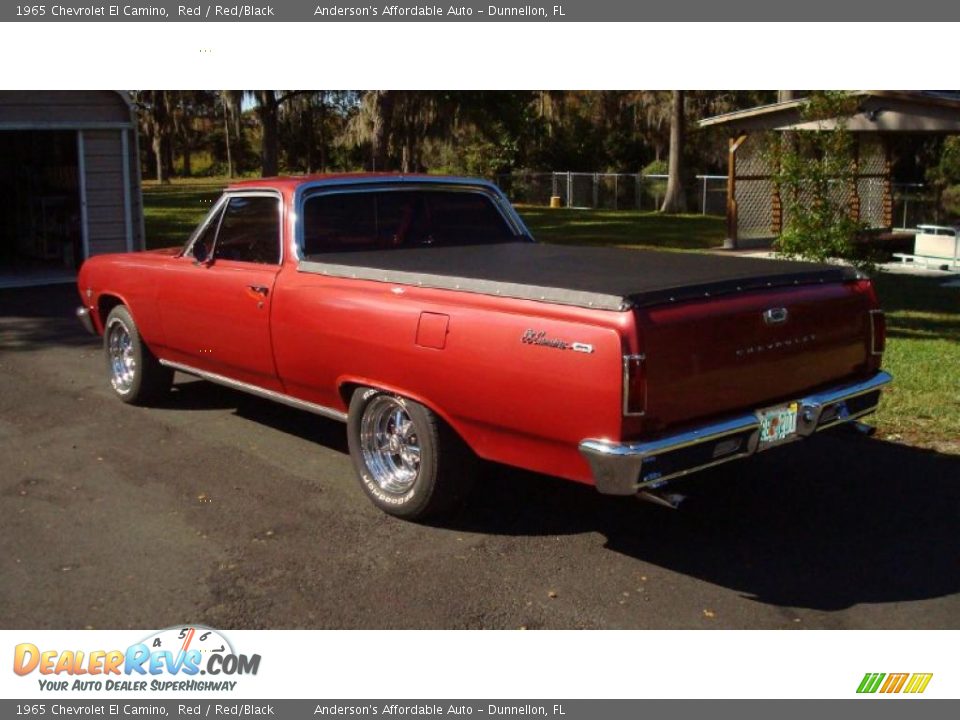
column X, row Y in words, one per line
column 814, row 171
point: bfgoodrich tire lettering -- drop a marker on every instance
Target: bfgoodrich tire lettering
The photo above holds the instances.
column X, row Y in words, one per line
column 409, row 463
column 135, row 375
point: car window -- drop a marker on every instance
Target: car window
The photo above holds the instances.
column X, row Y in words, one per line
column 250, row 230
column 206, row 237
column 339, row 222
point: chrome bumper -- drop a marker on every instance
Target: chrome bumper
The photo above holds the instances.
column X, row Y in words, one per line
column 625, row 468
column 83, row 315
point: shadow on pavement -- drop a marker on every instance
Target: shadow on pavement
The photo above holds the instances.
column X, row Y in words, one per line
column 38, row 317
column 825, row 524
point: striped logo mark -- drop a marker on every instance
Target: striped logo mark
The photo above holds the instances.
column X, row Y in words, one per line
column 913, row 683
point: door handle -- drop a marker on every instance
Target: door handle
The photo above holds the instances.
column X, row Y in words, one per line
column 261, row 290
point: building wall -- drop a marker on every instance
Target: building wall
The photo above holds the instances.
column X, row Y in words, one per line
column 106, row 136
column 35, row 109
column 107, row 223
column 759, row 216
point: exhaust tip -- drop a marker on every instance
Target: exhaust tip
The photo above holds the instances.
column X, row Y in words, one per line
column 664, row 499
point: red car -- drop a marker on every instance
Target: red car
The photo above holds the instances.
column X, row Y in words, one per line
column 420, row 311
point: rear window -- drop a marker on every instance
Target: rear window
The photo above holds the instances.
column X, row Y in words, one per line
column 342, row 222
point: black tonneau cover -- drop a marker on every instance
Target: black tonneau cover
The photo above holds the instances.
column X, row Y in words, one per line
column 595, row 277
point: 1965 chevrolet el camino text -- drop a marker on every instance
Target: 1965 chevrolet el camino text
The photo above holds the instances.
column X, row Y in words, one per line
column 420, row 311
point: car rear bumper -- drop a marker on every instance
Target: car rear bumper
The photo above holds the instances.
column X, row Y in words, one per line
column 625, row 468
column 83, row 315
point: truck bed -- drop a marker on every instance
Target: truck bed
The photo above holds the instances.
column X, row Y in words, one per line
column 592, row 277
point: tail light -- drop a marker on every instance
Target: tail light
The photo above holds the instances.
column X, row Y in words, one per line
column 878, row 321
column 865, row 286
column 634, row 385
column 878, row 332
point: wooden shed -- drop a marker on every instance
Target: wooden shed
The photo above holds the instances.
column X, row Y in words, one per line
column 69, row 182
column 754, row 211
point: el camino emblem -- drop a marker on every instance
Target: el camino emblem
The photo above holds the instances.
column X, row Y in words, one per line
column 539, row 337
column 801, row 341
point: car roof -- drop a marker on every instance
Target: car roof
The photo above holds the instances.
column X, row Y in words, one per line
column 290, row 183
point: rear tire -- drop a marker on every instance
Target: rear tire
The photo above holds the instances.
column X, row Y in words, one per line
column 135, row 374
column 409, row 462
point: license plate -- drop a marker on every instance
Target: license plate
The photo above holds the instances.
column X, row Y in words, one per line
column 778, row 424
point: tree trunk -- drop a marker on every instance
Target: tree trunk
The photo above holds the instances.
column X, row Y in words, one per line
column 187, row 170
column 157, row 144
column 269, row 142
column 226, row 135
column 168, row 154
column 308, row 133
column 674, row 200
column 322, row 112
column 382, row 117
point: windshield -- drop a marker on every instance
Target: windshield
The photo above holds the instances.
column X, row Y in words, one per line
column 370, row 220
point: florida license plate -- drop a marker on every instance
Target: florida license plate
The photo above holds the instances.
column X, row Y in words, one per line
column 778, row 424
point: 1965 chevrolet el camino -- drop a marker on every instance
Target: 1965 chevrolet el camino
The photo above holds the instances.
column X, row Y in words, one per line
column 420, row 311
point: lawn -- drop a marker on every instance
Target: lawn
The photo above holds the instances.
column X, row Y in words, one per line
column 922, row 407
column 171, row 212
column 624, row 228
column 923, row 347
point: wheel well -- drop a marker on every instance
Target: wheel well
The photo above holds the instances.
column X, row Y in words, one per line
column 347, row 389
column 106, row 303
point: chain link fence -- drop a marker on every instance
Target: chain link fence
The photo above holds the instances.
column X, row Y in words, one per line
column 705, row 194
column 914, row 204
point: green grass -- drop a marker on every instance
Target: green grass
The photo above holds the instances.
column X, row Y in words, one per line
column 171, row 212
column 923, row 347
column 922, row 407
column 624, row 228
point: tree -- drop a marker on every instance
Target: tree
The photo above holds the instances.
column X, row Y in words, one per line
column 674, row 199
column 156, row 117
column 268, row 112
column 815, row 177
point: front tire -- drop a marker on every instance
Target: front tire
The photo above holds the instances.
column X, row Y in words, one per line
column 135, row 374
column 409, row 463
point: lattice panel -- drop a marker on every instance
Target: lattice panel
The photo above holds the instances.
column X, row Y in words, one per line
column 752, row 157
column 754, row 208
column 870, row 191
column 873, row 155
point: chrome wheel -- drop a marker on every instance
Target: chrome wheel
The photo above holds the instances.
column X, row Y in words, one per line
column 390, row 446
column 120, row 354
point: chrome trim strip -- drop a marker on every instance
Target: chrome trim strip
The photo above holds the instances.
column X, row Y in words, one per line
column 616, row 466
column 258, row 391
column 626, row 386
column 873, row 332
column 517, row 291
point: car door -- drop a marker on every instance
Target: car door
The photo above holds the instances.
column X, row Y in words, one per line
column 215, row 303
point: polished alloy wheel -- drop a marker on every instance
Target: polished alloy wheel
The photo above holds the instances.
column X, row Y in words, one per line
column 123, row 362
column 390, row 446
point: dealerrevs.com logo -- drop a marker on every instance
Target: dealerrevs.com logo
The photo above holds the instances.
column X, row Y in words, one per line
column 172, row 659
column 890, row 683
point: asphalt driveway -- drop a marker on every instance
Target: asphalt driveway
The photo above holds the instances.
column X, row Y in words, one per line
column 227, row 510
